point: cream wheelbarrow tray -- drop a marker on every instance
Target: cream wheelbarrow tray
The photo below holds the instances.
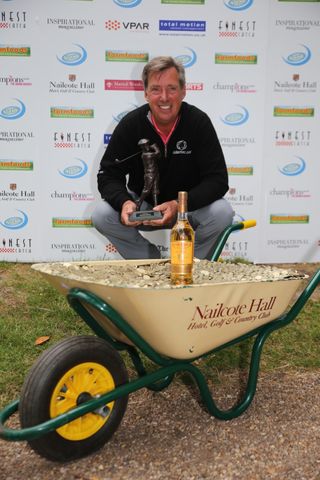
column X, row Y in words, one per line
column 76, row 393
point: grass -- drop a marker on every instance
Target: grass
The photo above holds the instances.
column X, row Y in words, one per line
column 30, row 308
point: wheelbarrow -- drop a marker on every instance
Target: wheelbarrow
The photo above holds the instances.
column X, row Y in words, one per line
column 76, row 393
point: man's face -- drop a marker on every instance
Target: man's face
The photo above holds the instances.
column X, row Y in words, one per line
column 165, row 96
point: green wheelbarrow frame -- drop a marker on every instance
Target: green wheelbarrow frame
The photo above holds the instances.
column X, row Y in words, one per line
column 162, row 377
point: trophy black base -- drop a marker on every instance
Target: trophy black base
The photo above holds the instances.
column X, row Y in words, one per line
column 141, row 216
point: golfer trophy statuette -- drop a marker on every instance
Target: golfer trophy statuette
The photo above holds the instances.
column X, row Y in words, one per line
column 150, row 156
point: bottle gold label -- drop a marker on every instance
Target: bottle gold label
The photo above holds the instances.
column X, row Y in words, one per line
column 181, row 253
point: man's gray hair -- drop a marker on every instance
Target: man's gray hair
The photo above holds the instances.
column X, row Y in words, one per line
column 159, row 64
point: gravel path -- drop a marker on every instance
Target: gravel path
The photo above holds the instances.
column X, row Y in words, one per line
column 168, row 436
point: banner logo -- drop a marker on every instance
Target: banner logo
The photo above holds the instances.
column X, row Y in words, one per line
column 238, row 5
column 126, row 56
column 24, row 165
column 73, row 58
column 14, row 51
column 280, row 111
column 13, row 112
column 294, row 168
column 279, row 218
column 71, row 112
column 69, row 222
column 187, row 60
column 237, row 118
column 15, row 222
column 236, row 59
column 75, row 171
column 298, row 58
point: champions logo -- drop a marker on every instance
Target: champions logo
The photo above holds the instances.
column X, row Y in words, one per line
column 67, row 222
column 236, row 118
column 182, row 25
column 279, row 111
column 16, row 165
column 15, row 222
column 13, row 112
column 73, row 58
column 240, row 170
column 286, row 218
column 125, row 56
column 238, row 5
column 236, row 59
column 299, row 57
column 14, row 51
column 70, row 112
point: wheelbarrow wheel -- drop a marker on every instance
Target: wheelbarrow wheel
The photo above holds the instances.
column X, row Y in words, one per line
column 73, row 371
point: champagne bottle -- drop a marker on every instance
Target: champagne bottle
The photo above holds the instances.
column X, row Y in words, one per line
column 182, row 245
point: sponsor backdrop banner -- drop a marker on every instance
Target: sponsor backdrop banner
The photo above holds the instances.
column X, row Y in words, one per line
column 71, row 69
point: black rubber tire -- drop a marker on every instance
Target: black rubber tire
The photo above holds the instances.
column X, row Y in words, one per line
column 44, row 376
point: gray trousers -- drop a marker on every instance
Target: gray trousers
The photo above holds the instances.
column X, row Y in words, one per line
column 207, row 222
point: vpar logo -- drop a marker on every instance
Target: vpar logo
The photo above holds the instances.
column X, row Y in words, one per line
column 15, row 222
column 238, row 5
column 73, row 58
column 298, row 57
column 127, row 3
column 236, row 118
column 129, row 26
column 13, row 112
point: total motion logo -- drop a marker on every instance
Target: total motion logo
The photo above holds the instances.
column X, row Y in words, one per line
column 75, row 171
column 298, row 57
column 238, row 5
column 236, row 118
column 73, row 58
column 292, row 168
column 13, row 112
column 127, row 3
column 182, row 25
column 187, row 59
column 15, row 222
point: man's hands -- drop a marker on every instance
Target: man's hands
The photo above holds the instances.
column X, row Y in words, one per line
column 168, row 209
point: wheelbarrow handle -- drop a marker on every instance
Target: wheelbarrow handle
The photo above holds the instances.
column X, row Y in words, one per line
column 220, row 243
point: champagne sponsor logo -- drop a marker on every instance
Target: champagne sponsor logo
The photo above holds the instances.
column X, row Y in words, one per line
column 71, row 222
column 127, row 3
column 237, row 117
column 126, row 56
column 14, row 111
column 16, row 221
column 293, row 168
column 17, row 165
column 187, row 59
column 71, row 112
column 284, row 218
column 15, row 51
column 236, row 58
column 284, row 111
column 75, row 171
column 74, row 57
column 238, row 5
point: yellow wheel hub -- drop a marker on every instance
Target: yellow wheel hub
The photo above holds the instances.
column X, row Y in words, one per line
column 78, row 384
